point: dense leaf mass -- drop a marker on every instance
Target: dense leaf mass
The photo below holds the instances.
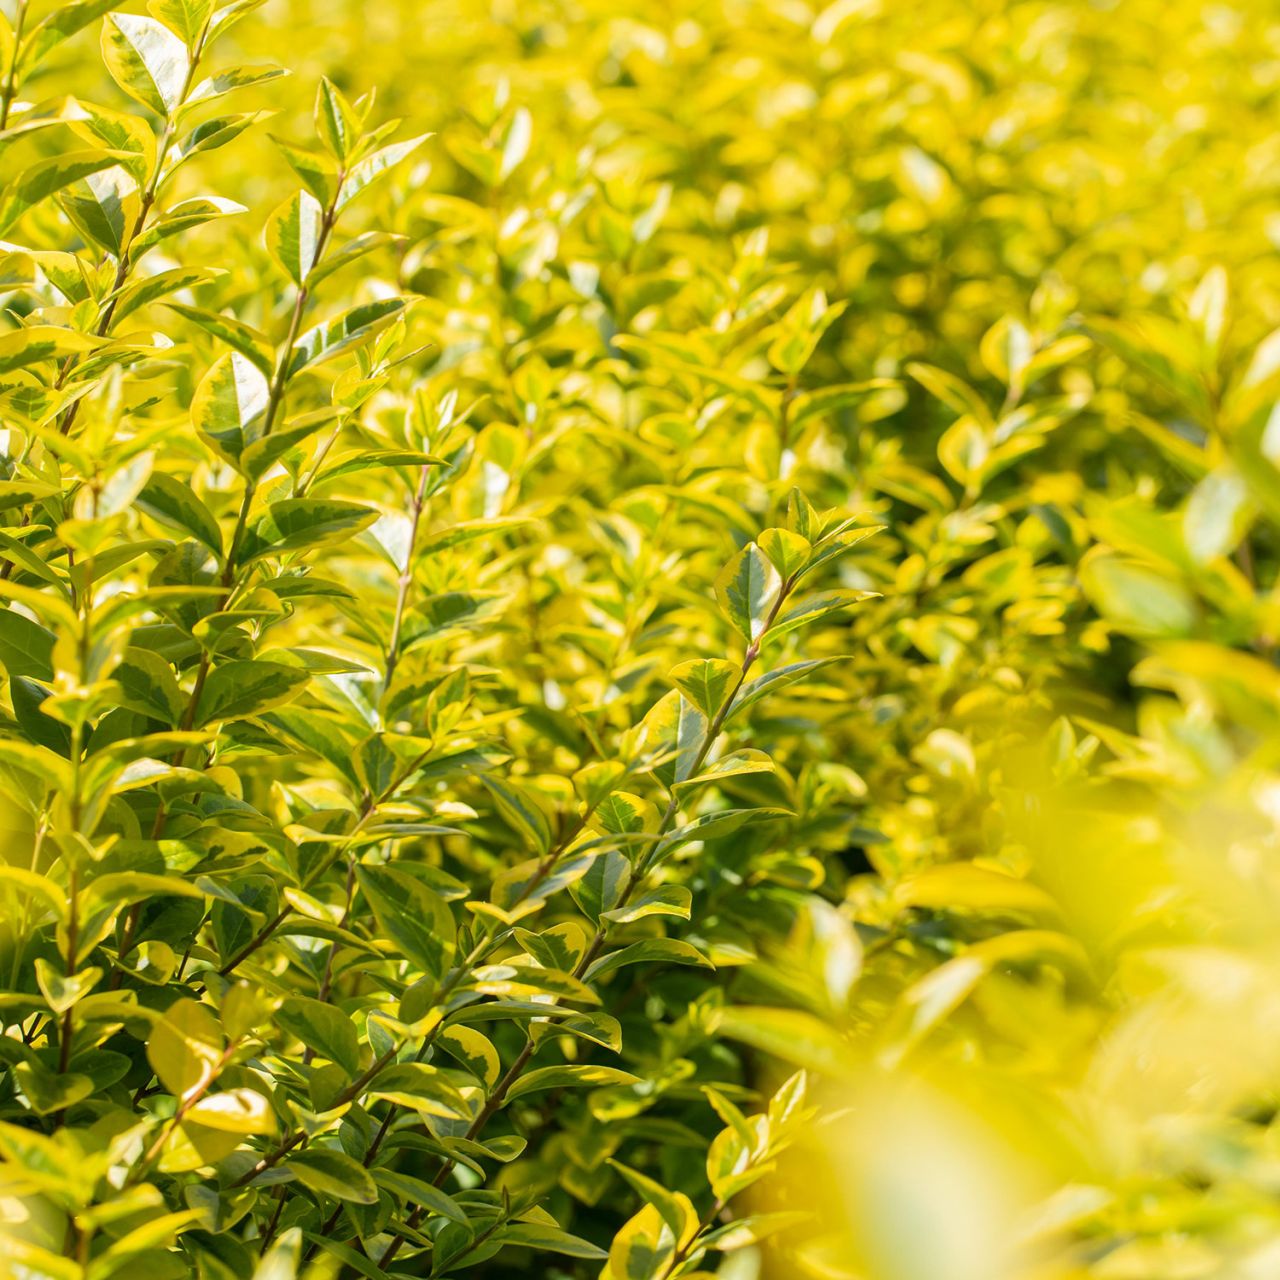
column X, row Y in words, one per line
column 668, row 546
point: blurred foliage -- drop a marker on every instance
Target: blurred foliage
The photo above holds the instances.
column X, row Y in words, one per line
column 462, row 747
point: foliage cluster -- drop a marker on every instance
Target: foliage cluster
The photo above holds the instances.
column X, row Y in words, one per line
column 749, row 548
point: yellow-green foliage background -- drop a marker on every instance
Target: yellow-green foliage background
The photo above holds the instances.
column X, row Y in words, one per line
column 1020, row 925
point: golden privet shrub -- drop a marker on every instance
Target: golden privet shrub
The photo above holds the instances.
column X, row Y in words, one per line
column 463, row 746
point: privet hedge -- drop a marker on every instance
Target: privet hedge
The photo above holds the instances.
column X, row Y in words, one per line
column 536, row 685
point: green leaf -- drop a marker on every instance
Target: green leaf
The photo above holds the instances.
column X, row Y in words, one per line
column 648, row 951
column 677, row 730
column 787, row 551
column 243, row 1111
column 813, row 609
column 712, row 826
column 351, row 251
column 167, row 499
column 642, row 1249
column 836, row 542
column 1162, row 350
column 294, row 233
column 730, row 766
column 601, row 888
column 538, row 1235
column 280, row 1262
column 517, row 979
column 115, row 888
column 412, row 917
column 954, row 392
column 21, row 493
column 123, row 133
column 514, row 141
column 330, row 1173
column 295, row 523
column 366, row 171
column 209, row 135
column 1218, row 514
column 24, row 347
column 336, row 123
column 46, row 177
column 775, row 681
column 148, row 685
column 317, row 732
column 51, row 606
column 103, row 206
column 373, row 458
column 26, row 648
column 748, row 1231
column 142, row 293
column 37, row 726
column 521, row 811
column 965, row 452
column 622, row 813
column 31, row 884
column 669, row 1208
column 592, row 1026
column 61, row 25
column 182, row 217
column 1006, row 350
column 965, row 887
column 353, row 1258
column 252, row 345
column 146, row 60
column 230, row 80
column 245, row 688
column 35, row 761
column 707, row 682
column 186, row 17
column 415, row 1191
column 748, row 590
column 47, row 1092
column 185, row 1046
column 798, row 332
column 322, row 1028
column 466, row 530
column 664, row 900
column 260, row 456
column 474, row 1051
column 1137, row 599
column 421, row 1087
column 316, row 170
column 332, row 337
column 559, row 947
column 62, row 991
column 829, row 399
column 568, row 1077
column 229, row 405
